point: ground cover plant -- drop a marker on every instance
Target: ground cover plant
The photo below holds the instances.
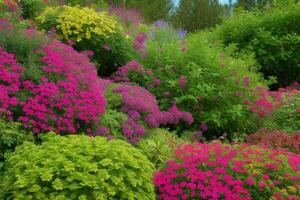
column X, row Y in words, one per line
column 98, row 103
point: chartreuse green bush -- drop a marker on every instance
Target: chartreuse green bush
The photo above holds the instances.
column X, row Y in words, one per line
column 90, row 30
column 159, row 146
column 77, row 167
column 204, row 80
column 12, row 134
column 273, row 36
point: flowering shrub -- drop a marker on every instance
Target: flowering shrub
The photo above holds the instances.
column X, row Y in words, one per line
column 203, row 80
column 216, row 171
column 10, row 74
column 139, row 104
column 84, row 26
column 287, row 116
column 77, row 167
column 64, row 94
column 75, row 23
column 276, row 139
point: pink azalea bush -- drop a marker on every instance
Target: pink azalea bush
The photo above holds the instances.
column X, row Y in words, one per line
column 10, row 74
column 217, row 171
column 67, row 98
column 140, row 105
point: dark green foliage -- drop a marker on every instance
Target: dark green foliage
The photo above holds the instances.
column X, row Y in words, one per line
column 12, row 134
column 77, row 167
column 197, row 14
column 31, row 8
column 108, row 60
column 273, row 36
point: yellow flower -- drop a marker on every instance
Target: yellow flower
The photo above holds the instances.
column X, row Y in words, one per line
column 292, row 189
column 77, row 23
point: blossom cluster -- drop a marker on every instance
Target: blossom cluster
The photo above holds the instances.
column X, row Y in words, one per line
column 275, row 139
column 140, row 104
column 217, row 171
column 10, row 74
column 139, row 42
column 67, row 98
column 76, row 23
column 122, row 74
column 267, row 101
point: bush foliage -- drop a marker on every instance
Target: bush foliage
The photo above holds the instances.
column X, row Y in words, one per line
column 77, row 167
column 273, row 36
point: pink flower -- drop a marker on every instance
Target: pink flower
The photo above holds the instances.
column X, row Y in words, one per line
column 182, row 82
column 298, row 110
column 250, row 181
column 261, row 184
column 106, row 47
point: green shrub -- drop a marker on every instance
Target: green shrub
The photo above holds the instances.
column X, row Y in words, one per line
column 90, row 30
column 273, row 36
column 112, row 120
column 31, row 8
column 204, row 81
column 77, row 167
column 159, row 146
column 12, row 134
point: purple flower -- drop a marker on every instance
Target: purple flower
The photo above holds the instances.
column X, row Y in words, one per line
column 161, row 23
column 182, row 33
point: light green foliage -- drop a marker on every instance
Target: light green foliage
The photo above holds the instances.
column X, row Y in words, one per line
column 112, row 120
column 12, row 134
column 77, row 167
column 273, row 36
column 113, row 100
column 159, row 145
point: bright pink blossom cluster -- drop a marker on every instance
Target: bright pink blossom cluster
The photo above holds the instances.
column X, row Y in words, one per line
column 216, row 171
column 67, row 98
column 122, row 74
column 139, row 42
column 10, row 74
column 140, row 104
column 268, row 101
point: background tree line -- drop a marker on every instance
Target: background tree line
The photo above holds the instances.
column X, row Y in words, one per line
column 193, row 14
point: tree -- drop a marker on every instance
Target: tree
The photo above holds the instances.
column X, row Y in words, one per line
column 151, row 10
column 198, row 14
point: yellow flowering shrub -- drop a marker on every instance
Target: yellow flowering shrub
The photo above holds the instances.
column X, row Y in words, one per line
column 76, row 23
column 89, row 30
